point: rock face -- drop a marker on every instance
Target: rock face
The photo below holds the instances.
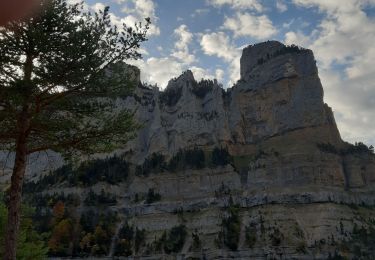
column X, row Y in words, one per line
column 291, row 189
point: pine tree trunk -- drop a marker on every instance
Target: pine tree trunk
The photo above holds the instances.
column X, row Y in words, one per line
column 14, row 206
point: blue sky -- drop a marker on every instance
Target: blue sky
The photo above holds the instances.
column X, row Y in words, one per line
column 207, row 36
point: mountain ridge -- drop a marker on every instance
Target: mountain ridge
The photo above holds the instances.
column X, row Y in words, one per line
column 257, row 171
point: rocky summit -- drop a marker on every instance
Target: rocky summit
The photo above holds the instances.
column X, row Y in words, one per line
column 257, row 171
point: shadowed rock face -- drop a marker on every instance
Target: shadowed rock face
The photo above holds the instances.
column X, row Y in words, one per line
column 279, row 91
column 293, row 188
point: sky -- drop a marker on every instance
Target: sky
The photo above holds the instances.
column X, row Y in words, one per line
column 207, row 37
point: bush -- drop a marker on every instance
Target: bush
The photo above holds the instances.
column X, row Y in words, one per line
column 152, row 197
column 173, row 241
column 30, row 244
column 170, row 96
column 231, row 226
column 202, row 88
column 111, row 170
column 251, row 236
column 155, row 164
column 124, row 243
column 220, row 157
column 93, row 199
column 187, row 159
column 357, row 148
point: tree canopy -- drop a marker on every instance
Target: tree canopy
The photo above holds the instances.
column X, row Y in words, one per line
column 58, row 70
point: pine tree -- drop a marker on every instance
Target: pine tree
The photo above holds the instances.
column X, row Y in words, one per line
column 55, row 73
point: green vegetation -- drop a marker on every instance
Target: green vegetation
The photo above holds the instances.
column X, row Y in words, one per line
column 30, row 244
column 357, row 148
column 284, row 50
column 184, row 159
column 187, row 159
column 223, row 191
column 154, row 164
column 231, row 226
column 93, row 199
column 173, row 240
column 95, row 233
column 220, row 157
column 170, row 96
column 197, row 243
column 202, row 88
column 125, row 238
column 362, row 242
column 276, row 236
column 60, row 69
column 129, row 239
column 111, row 170
column 152, row 197
column 251, row 235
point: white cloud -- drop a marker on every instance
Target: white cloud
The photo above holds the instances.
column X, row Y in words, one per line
column 198, row 12
column 200, row 73
column 237, row 4
column 219, row 45
column 97, row 7
column 159, row 70
column 281, row 6
column 219, row 74
column 184, row 38
column 138, row 11
column 297, row 38
column 345, row 37
column 245, row 24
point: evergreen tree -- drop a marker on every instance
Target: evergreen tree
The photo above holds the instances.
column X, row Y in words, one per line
column 55, row 69
column 29, row 243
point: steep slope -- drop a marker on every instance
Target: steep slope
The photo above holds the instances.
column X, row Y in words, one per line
column 257, row 171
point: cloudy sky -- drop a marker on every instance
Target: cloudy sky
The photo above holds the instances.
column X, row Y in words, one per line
column 207, row 36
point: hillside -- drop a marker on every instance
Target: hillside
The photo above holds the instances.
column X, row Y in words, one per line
column 257, row 171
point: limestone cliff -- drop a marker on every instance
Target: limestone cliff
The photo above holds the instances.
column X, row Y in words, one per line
column 283, row 185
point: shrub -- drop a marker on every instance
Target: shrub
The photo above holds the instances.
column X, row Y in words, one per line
column 187, row 159
column 170, row 96
column 152, row 197
column 220, row 157
column 30, row 244
column 174, row 240
column 231, row 226
column 251, row 236
column 154, row 164
column 111, row 170
column 93, row 199
column 202, row 88
column 140, row 238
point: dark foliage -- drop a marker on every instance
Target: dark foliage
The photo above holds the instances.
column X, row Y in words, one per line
column 285, row 50
column 48, row 200
column 125, row 238
column 170, row 96
column 202, row 88
column 154, row 164
column 251, row 235
column 231, row 225
column 152, row 197
column 357, row 148
column 139, row 240
column 173, row 241
column 187, row 159
column 220, row 157
column 111, row 170
column 93, row 199
column 129, row 238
